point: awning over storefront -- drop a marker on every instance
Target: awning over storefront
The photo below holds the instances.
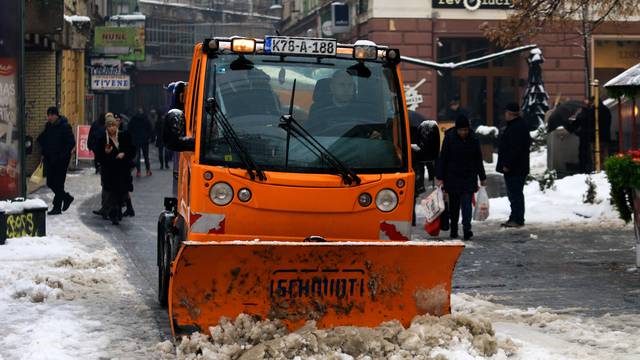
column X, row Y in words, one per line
column 627, row 83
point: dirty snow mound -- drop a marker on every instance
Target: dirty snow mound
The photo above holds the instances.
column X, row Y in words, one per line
column 428, row 337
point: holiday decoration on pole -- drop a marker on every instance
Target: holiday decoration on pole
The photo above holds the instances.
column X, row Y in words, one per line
column 535, row 101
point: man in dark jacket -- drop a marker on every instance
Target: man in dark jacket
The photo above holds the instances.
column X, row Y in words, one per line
column 513, row 162
column 141, row 133
column 585, row 127
column 452, row 111
column 57, row 142
column 95, row 132
column 458, row 169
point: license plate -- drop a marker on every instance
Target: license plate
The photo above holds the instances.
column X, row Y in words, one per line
column 297, row 46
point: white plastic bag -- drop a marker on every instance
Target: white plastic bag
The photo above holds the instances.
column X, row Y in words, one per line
column 434, row 204
column 481, row 212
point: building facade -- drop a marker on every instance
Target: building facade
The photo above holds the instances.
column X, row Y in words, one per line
column 451, row 31
column 57, row 36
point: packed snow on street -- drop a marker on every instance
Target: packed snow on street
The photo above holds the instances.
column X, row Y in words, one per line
column 68, row 296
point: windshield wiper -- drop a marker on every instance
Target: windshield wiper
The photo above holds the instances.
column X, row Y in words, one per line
column 213, row 108
column 292, row 127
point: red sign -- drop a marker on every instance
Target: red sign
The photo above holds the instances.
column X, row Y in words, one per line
column 82, row 150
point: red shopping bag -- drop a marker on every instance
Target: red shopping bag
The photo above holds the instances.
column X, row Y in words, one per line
column 433, row 228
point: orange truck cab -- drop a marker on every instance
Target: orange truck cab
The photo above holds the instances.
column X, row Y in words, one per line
column 296, row 191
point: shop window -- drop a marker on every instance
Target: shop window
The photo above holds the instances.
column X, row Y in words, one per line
column 482, row 90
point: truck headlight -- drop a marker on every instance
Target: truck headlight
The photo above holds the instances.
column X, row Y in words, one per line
column 386, row 200
column 221, row 193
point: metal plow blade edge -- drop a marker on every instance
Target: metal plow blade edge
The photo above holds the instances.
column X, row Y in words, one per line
column 339, row 283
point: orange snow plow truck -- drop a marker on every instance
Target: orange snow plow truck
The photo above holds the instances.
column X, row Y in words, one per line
column 295, row 190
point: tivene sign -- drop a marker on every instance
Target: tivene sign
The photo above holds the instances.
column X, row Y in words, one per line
column 472, row 5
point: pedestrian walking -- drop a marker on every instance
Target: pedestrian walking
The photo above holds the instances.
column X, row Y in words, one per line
column 164, row 154
column 513, row 162
column 57, row 142
column 95, row 132
column 115, row 156
column 141, row 134
column 584, row 126
column 458, row 170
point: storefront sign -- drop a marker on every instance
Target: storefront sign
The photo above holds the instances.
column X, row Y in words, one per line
column 472, row 5
column 616, row 54
column 110, row 82
column 82, row 149
column 414, row 98
column 125, row 42
column 11, row 177
column 106, row 66
column 340, row 17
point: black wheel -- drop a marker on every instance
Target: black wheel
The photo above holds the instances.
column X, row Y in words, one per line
column 164, row 258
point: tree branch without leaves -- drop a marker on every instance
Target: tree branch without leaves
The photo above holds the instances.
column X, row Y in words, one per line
column 532, row 17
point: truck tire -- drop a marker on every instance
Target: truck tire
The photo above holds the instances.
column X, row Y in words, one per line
column 164, row 256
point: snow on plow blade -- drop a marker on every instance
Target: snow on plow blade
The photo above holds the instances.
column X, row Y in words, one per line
column 334, row 283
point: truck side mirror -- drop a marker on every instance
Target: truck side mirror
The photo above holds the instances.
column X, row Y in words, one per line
column 175, row 130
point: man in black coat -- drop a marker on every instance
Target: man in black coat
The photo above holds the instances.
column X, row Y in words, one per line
column 57, row 142
column 95, row 132
column 141, row 134
column 513, row 162
column 585, row 127
column 458, row 169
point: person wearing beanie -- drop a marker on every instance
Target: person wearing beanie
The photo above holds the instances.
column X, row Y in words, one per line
column 57, row 143
column 115, row 155
column 458, row 170
column 513, row 162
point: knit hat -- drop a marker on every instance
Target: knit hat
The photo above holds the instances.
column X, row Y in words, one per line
column 462, row 122
column 53, row 111
column 513, row 107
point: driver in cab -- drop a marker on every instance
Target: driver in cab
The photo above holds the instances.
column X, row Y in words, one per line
column 335, row 108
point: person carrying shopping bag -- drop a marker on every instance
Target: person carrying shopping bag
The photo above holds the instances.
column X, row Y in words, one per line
column 457, row 171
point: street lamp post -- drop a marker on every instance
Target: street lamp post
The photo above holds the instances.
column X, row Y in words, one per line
column 596, row 87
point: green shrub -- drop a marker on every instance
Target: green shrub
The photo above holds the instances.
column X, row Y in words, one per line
column 623, row 172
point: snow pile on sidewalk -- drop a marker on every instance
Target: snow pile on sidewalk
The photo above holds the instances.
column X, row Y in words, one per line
column 562, row 203
column 66, row 295
column 447, row 337
column 540, row 333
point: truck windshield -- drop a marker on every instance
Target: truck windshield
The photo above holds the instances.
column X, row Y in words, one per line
column 351, row 108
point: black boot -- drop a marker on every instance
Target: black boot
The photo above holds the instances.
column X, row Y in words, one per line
column 129, row 211
column 68, row 199
column 468, row 235
column 114, row 216
column 454, row 232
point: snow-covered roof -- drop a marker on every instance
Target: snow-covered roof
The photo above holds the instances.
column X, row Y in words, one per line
column 629, row 78
column 128, row 17
column 76, row 19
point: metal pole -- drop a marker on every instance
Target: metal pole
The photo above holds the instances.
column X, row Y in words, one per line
column 596, row 102
column 634, row 131
column 619, row 124
column 21, row 118
column 586, row 35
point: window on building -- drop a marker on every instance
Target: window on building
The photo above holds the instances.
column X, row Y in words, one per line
column 482, row 90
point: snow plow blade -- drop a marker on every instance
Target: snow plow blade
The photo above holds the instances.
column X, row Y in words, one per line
column 334, row 283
